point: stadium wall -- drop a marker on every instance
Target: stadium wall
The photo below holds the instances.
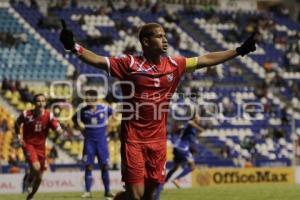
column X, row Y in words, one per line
column 71, row 182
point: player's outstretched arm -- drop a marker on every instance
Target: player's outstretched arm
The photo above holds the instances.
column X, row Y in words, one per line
column 216, row 58
column 67, row 39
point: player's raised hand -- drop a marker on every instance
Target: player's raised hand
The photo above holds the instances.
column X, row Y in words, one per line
column 66, row 37
column 248, row 46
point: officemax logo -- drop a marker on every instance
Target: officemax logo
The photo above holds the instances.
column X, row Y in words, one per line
column 255, row 177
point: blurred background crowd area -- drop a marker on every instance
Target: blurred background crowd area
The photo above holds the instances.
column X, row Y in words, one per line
column 32, row 60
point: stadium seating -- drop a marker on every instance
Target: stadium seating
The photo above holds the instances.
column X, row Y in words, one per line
column 228, row 84
column 257, row 61
column 232, row 129
column 6, row 138
column 28, row 57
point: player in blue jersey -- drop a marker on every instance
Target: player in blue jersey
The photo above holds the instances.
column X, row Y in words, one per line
column 92, row 121
column 184, row 146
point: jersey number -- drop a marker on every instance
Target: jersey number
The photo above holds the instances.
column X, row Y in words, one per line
column 38, row 128
column 94, row 120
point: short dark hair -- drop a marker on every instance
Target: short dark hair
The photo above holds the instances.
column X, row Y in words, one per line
column 147, row 30
column 91, row 92
column 37, row 95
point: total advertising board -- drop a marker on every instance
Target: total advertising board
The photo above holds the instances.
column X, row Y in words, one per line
column 71, row 182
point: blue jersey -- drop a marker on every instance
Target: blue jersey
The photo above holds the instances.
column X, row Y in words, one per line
column 95, row 121
column 183, row 143
column 187, row 139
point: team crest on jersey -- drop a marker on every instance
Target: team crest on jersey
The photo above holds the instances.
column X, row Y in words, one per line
column 101, row 115
column 170, row 77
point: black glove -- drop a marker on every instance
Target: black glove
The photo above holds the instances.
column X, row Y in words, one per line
column 66, row 37
column 248, row 46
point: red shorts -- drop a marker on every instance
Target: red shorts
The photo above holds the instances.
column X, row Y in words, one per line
column 143, row 162
column 35, row 154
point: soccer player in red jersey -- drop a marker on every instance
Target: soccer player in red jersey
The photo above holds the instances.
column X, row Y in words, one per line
column 155, row 77
column 35, row 125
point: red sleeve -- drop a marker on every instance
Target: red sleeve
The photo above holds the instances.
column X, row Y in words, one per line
column 119, row 66
column 54, row 123
column 181, row 64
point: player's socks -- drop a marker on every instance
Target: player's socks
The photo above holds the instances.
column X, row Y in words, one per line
column 184, row 172
column 30, row 196
column 25, row 183
column 35, row 185
column 28, row 183
column 158, row 191
column 170, row 173
column 88, row 180
column 105, row 179
column 176, row 183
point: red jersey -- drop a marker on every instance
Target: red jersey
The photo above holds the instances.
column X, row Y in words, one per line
column 148, row 105
column 35, row 130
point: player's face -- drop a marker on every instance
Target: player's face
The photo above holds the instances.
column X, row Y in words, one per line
column 40, row 102
column 158, row 41
column 91, row 99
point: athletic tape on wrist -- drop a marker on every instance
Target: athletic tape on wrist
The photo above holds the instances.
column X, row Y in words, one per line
column 78, row 49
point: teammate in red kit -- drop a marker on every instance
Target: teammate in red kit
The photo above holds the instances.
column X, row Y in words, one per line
column 35, row 125
column 155, row 77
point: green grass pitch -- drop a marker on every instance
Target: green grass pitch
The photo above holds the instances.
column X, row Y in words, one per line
column 242, row 192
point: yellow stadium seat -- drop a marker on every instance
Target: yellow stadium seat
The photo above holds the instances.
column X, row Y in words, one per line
column 58, row 141
column 10, row 123
column 80, row 146
column 169, row 153
column 114, row 150
column 20, row 106
column 15, row 99
column 67, row 145
column 28, row 106
column 74, row 149
column 6, row 137
column 16, row 94
column 20, row 154
column 8, row 94
column 51, row 135
column 67, row 91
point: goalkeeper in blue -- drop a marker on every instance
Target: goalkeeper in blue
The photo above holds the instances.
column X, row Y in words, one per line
column 92, row 120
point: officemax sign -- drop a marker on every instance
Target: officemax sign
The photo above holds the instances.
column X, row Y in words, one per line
column 257, row 177
column 231, row 176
